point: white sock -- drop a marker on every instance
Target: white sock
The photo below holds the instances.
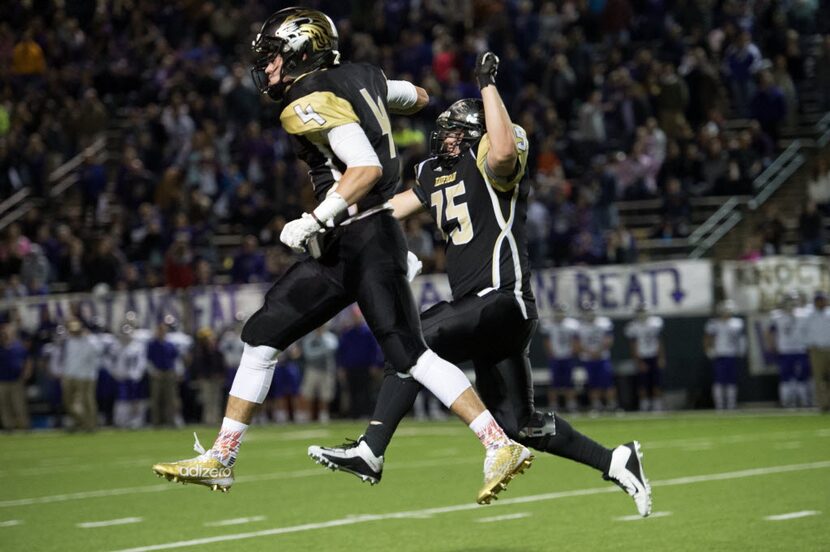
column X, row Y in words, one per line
column 281, row 416
column 491, row 435
column 731, row 397
column 717, row 395
column 226, row 447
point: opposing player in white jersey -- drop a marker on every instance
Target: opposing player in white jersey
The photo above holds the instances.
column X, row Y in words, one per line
column 560, row 346
column 785, row 338
column 647, row 351
column 130, row 372
column 594, row 340
column 725, row 343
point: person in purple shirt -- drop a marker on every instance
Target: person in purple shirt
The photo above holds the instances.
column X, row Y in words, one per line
column 161, row 359
column 357, row 354
column 15, row 369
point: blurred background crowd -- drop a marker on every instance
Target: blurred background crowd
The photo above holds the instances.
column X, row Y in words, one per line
column 622, row 100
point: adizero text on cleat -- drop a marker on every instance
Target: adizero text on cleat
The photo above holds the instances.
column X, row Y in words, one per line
column 354, row 457
column 201, row 470
column 627, row 471
column 501, row 465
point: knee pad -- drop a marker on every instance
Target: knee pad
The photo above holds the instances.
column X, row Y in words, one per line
column 446, row 381
column 256, row 369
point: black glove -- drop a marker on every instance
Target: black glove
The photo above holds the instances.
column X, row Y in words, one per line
column 487, row 65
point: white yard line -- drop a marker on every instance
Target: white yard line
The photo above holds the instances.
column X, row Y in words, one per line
column 507, row 517
column 235, row 521
column 10, row 523
column 637, row 517
column 356, row 519
column 297, row 474
column 792, row 515
column 109, row 523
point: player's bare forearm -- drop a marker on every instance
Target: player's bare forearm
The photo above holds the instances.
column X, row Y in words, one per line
column 406, row 204
column 501, row 159
column 357, row 181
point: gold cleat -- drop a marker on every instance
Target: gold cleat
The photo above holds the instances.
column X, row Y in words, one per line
column 500, row 467
column 201, row 470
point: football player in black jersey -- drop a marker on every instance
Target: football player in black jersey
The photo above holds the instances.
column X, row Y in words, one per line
column 338, row 117
column 474, row 185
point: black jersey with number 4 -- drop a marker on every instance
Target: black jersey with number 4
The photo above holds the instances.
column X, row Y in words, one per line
column 322, row 100
column 483, row 219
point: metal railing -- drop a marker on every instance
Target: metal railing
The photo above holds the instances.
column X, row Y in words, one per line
column 784, row 166
column 61, row 179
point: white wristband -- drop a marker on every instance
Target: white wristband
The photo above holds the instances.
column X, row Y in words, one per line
column 329, row 208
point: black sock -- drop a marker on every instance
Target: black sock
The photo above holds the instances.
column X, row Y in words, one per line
column 571, row 444
column 395, row 399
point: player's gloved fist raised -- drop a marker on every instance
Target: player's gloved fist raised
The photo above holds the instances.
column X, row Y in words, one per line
column 295, row 234
column 487, row 65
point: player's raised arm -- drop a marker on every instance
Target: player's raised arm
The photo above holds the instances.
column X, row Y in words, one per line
column 404, row 98
column 503, row 152
column 405, row 204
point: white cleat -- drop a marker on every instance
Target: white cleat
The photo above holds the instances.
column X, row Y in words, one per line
column 354, row 457
column 627, row 471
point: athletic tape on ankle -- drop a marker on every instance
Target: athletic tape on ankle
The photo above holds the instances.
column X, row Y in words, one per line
column 445, row 380
column 256, row 369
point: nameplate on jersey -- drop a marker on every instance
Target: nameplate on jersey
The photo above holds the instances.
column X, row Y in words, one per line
column 446, row 179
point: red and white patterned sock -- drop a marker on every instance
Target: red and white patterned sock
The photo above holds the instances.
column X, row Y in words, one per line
column 491, row 435
column 226, row 447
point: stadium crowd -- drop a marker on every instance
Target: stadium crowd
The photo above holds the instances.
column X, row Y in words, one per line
column 621, row 99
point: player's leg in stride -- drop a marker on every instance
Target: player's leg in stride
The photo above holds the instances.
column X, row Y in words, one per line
column 213, row 468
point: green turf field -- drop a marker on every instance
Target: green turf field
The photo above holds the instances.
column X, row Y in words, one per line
column 716, row 479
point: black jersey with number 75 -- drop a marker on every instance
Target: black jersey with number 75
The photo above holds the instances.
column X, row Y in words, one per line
column 483, row 220
column 319, row 101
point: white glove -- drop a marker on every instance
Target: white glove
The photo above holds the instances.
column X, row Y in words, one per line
column 295, row 234
column 413, row 266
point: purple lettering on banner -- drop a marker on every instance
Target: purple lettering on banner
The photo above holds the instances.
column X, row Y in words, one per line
column 429, row 296
column 677, row 294
column 583, row 289
column 634, row 288
column 606, row 302
column 87, row 309
column 231, row 291
column 546, row 289
column 217, row 317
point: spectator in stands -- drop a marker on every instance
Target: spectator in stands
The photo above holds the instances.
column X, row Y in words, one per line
column 769, row 105
column 28, row 60
column 357, row 357
column 811, row 230
column 80, row 374
column 676, row 208
column 105, row 264
column 782, row 79
column 92, row 182
column 207, row 368
column 817, row 339
column 164, row 386
column 178, row 263
column 818, row 188
column 823, row 73
column 284, row 394
column 15, row 370
column 319, row 350
column 705, row 89
column 771, row 230
column 742, row 60
column 249, row 263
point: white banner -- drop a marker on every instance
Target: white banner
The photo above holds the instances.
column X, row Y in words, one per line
column 681, row 288
column 670, row 289
column 216, row 307
column 757, row 286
